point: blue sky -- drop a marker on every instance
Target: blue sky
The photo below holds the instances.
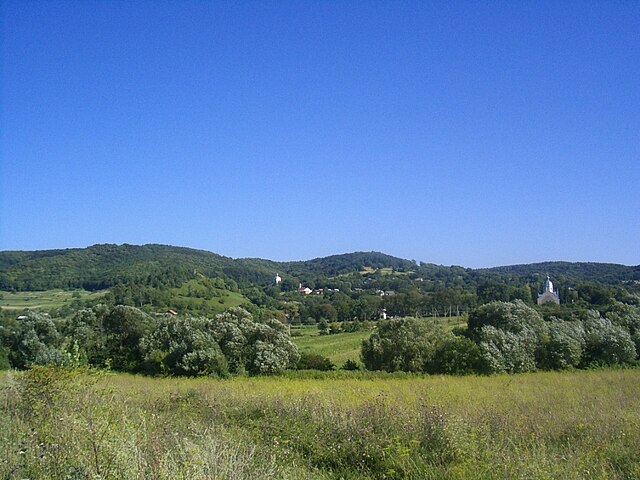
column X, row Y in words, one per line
column 467, row 133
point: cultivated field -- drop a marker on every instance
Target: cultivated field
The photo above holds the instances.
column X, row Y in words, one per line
column 45, row 300
column 555, row 425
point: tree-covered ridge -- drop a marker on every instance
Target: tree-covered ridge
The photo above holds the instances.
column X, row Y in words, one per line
column 106, row 265
column 356, row 286
column 610, row 273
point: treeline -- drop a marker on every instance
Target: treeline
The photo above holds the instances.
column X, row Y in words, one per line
column 507, row 337
column 127, row 339
column 104, row 266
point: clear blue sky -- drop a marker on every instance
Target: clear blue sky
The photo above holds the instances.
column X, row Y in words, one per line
column 467, row 133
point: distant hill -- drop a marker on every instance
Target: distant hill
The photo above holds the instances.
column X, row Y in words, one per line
column 105, row 265
column 610, row 273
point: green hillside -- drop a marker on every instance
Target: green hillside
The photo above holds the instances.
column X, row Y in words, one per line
column 45, row 300
column 338, row 348
column 359, row 285
column 103, row 266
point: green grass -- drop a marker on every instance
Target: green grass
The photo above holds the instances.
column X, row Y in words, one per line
column 339, row 347
column 355, row 425
column 216, row 301
column 44, row 300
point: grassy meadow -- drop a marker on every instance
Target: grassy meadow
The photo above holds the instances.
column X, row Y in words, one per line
column 350, row 425
column 45, row 300
column 216, row 300
column 341, row 347
column 338, row 348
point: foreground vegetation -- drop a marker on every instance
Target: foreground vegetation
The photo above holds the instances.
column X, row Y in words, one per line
column 64, row 423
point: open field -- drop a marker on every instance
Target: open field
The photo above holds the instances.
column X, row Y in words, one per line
column 569, row 425
column 338, row 348
column 216, row 301
column 44, row 300
column 341, row 347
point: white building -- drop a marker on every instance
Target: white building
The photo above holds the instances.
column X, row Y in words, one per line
column 548, row 295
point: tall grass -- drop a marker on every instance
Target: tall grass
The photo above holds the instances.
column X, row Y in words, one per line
column 78, row 424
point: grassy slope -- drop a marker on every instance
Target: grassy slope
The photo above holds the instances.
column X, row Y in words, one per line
column 346, row 346
column 49, row 299
column 570, row 425
column 220, row 301
column 45, row 300
column 338, row 348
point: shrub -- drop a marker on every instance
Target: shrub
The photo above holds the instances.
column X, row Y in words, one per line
column 505, row 351
column 351, row 365
column 405, row 344
column 183, row 346
column 459, row 356
column 565, row 345
column 35, row 341
column 254, row 347
column 606, row 343
column 313, row 361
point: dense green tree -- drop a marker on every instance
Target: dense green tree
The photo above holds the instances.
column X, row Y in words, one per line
column 124, row 327
column 85, row 328
column 505, row 351
column 35, row 341
column 406, row 344
column 313, row 361
column 255, row 347
column 511, row 335
column 515, row 317
column 606, row 343
column 459, row 356
column 564, row 346
column 628, row 317
column 183, row 346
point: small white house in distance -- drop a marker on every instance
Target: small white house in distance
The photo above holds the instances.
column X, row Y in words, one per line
column 305, row 290
column 548, row 295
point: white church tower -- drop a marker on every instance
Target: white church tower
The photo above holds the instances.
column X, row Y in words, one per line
column 548, row 295
column 278, row 279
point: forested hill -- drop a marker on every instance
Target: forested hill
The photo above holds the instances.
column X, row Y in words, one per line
column 610, row 273
column 103, row 266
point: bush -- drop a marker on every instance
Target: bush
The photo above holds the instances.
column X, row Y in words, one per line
column 504, row 351
column 565, row 345
column 458, row 356
column 351, row 365
column 606, row 343
column 183, row 346
column 405, row 344
column 511, row 336
column 254, row 347
column 312, row 361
